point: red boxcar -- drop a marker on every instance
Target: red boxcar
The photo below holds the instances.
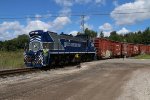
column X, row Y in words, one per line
column 143, row 48
column 130, row 50
column 116, row 49
column 127, row 49
column 106, row 48
column 149, row 49
column 136, row 50
column 103, row 48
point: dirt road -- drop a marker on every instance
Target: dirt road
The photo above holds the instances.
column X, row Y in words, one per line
column 99, row 80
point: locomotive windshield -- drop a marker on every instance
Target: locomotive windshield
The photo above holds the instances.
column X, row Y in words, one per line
column 48, row 46
column 34, row 46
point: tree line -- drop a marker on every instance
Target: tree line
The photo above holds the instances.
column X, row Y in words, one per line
column 14, row 44
column 140, row 37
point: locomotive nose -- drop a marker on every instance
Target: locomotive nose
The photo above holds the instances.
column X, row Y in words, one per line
column 33, row 59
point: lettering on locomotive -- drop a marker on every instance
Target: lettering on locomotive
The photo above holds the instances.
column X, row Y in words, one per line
column 72, row 44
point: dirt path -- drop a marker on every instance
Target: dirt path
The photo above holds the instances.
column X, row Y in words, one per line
column 100, row 81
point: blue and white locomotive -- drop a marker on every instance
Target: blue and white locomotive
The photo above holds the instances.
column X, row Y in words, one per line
column 47, row 48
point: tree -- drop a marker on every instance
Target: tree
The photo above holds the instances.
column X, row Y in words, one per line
column 146, row 36
column 90, row 33
column 133, row 37
column 14, row 44
column 115, row 37
column 1, row 43
column 21, row 40
column 101, row 35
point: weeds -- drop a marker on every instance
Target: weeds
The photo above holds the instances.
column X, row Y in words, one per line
column 144, row 56
column 9, row 60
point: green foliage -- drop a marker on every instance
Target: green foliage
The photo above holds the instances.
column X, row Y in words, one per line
column 14, row 44
column 90, row 33
column 101, row 35
column 116, row 37
column 146, row 36
column 145, row 56
column 132, row 37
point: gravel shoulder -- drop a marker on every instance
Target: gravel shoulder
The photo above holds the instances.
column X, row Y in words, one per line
column 114, row 79
column 138, row 87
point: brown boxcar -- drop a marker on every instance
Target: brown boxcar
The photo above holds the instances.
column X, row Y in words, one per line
column 136, row 50
column 127, row 49
column 143, row 49
column 116, row 49
column 130, row 50
column 149, row 49
column 103, row 48
column 124, row 49
column 106, row 48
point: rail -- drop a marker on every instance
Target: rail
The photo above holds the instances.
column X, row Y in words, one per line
column 16, row 71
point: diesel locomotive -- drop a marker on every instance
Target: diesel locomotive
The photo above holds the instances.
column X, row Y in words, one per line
column 47, row 48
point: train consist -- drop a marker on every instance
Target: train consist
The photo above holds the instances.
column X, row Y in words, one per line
column 48, row 48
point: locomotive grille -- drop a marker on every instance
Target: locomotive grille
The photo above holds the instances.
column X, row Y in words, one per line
column 37, row 59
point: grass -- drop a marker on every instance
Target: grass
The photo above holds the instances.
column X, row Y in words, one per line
column 144, row 56
column 9, row 60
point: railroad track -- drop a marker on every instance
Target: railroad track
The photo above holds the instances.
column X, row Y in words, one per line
column 16, row 71
column 23, row 70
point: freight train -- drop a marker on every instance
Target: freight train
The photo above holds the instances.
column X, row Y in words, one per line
column 48, row 48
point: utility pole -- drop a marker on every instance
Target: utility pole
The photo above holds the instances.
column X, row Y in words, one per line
column 82, row 23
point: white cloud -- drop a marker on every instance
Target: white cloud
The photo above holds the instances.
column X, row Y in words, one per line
column 10, row 25
column 82, row 1
column 115, row 3
column 74, row 33
column 37, row 25
column 72, row 2
column 64, row 2
column 55, row 25
column 133, row 7
column 86, row 25
column 107, row 33
column 10, row 30
column 60, row 22
column 106, row 27
column 67, row 4
column 123, row 31
column 86, row 18
column 100, row 1
column 65, row 11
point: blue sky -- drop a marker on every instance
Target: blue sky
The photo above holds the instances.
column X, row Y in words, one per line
column 45, row 15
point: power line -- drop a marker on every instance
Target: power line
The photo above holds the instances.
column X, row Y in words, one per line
column 85, row 14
